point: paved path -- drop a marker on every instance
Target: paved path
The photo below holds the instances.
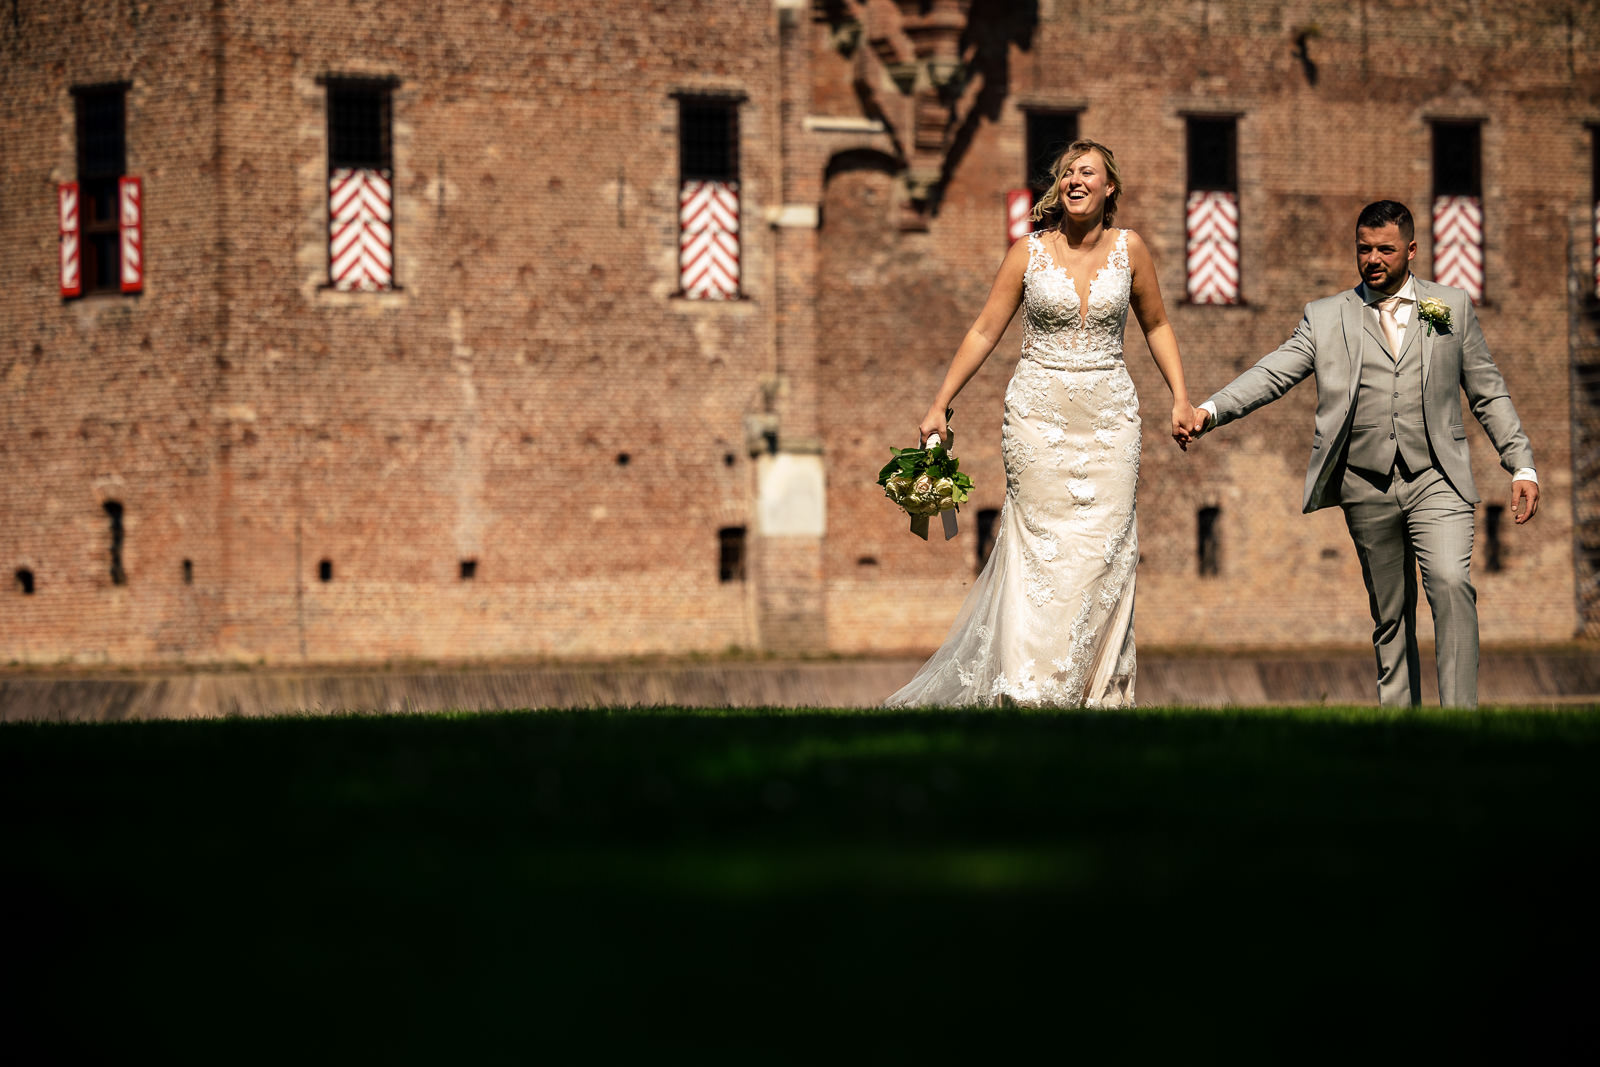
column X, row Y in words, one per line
column 1559, row 676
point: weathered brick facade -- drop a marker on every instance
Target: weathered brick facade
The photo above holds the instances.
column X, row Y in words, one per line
column 535, row 398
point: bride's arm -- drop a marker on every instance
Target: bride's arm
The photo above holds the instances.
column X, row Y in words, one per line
column 1159, row 335
column 1004, row 298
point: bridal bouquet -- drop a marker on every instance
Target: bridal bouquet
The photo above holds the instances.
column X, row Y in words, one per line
column 926, row 481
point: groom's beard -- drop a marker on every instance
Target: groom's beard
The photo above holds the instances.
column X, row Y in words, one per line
column 1380, row 280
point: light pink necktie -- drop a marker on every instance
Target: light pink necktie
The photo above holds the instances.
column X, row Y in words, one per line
column 1390, row 324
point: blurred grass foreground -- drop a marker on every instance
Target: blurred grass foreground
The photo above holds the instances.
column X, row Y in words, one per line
column 784, row 886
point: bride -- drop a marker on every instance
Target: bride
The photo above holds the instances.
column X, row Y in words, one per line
column 1049, row 622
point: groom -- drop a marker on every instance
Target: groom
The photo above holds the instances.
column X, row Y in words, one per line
column 1391, row 358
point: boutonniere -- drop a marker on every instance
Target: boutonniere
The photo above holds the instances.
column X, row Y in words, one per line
column 1435, row 314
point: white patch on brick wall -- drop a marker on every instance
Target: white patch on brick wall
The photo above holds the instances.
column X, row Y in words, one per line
column 792, row 496
column 467, row 474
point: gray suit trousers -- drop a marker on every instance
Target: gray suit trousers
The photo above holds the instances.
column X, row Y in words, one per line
column 1401, row 521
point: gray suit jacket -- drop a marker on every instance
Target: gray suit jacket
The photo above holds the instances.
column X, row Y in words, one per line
column 1328, row 344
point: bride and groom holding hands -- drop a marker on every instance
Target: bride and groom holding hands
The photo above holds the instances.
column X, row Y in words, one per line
column 1050, row 620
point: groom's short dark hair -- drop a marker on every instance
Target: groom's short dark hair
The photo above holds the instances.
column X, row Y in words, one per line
column 1382, row 212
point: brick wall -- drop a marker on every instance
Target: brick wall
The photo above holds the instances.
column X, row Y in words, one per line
column 255, row 423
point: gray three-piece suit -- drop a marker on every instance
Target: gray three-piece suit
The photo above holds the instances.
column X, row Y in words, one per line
column 1391, row 450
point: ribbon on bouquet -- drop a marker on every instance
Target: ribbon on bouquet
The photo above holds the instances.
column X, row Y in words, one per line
column 919, row 525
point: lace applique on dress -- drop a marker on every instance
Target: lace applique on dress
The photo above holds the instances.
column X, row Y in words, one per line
column 1059, row 585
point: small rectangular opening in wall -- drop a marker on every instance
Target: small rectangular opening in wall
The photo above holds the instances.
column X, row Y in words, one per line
column 988, row 530
column 25, row 581
column 731, row 554
column 325, row 570
column 1049, row 133
column 1209, row 548
column 1493, row 559
column 114, row 513
column 188, row 572
column 469, row 569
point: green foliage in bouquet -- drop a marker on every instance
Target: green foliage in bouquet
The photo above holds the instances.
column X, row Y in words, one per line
column 925, row 481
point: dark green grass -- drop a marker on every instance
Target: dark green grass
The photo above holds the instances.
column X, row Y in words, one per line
column 1176, row 886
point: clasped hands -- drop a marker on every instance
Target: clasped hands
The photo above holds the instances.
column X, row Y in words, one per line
column 1188, row 423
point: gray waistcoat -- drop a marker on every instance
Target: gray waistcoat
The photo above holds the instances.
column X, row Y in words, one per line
column 1388, row 411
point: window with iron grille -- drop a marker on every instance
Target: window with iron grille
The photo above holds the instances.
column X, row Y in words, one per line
column 1049, row 133
column 100, row 223
column 1458, row 206
column 1457, row 159
column 1213, row 153
column 1211, row 210
column 708, row 198
column 360, row 184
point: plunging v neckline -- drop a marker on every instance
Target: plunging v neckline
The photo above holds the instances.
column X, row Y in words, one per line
column 1083, row 300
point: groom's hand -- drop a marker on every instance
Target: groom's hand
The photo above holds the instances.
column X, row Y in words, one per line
column 1202, row 423
column 1524, row 500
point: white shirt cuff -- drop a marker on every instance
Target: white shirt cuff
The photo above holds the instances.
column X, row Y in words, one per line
column 1525, row 474
column 1209, row 406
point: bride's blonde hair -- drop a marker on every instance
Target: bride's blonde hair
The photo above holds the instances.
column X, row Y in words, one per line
column 1049, row 210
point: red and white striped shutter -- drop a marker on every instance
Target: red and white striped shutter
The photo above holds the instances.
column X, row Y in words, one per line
column 1597, row 248
column 1212, row 220
column 361, row 242
column 1019, row 212
column 708, row 240
column 130, row 221
column 1458, row 243
column 71, row 261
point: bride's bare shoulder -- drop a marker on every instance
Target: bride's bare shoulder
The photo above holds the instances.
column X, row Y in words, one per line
column 1138, row 251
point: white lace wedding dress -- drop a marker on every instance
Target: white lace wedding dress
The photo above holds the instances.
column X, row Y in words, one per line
column 1049, row 622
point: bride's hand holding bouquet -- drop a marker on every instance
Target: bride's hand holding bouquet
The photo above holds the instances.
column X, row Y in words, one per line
column 936, row 421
